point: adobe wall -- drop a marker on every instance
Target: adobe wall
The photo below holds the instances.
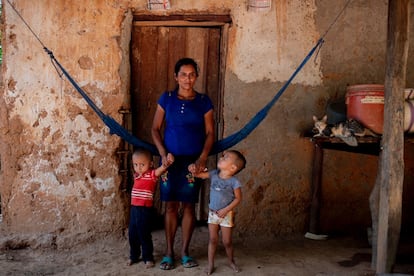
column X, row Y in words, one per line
column 59, row 168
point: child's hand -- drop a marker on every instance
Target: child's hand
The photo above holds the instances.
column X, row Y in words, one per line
column 192, row 168
column 222, row 213
column 170, row 159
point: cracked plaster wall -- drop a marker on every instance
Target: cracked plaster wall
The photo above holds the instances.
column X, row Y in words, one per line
column 59, row 168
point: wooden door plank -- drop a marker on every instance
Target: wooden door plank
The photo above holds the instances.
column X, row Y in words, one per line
column 224, row 37
column 212, row 65
column 146, row 96
column 176, row 50
column 196, row 48
column 162, row 70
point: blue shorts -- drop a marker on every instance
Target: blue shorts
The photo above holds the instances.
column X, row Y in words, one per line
column 178, row 184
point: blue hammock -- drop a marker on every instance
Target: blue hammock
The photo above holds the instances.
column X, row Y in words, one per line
column 219, row 146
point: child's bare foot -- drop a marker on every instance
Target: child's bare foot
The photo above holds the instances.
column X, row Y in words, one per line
column 209, row 270
column 149, row 264
column 131, row 262
column 234, row 267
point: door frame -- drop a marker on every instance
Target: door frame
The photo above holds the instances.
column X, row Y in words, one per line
column 224, row 23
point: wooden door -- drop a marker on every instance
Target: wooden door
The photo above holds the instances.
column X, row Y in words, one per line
column 154, row 52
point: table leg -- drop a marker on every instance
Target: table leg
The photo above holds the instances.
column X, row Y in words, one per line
column 316, row 188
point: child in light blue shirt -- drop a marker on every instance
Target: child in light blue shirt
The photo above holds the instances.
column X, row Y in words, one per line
column 225, row 195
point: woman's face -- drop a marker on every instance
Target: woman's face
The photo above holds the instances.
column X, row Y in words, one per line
column 186, row 77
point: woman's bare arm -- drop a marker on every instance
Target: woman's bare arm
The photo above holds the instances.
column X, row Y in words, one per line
column 156, row 132
column 208, row 144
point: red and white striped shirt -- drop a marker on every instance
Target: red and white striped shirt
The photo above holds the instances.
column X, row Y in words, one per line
column 143, row 190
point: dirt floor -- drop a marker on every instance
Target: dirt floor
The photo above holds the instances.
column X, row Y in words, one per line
column 334, row 256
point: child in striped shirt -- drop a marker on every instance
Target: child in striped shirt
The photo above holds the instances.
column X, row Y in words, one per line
column 145, row 181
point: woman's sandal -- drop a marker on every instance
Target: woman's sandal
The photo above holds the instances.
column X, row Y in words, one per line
column 188, row 262
column 167, row 263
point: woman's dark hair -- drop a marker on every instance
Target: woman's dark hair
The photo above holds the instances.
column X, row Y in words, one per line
column 185, row 61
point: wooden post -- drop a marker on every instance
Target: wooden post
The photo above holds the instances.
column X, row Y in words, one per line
column 392, row 156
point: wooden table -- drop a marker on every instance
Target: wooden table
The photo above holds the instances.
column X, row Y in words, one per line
column 366, row 145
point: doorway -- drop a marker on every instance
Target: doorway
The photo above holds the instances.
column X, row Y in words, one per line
column 155, row 48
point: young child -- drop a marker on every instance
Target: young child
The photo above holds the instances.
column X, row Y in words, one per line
column 225, row 195
column 145, row 180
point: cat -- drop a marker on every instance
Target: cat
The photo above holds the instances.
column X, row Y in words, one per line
column 346, row 130
column 320, row 126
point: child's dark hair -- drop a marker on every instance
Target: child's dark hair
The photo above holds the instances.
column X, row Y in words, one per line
column 185, row 61
column 240, row 160
column 142, row 151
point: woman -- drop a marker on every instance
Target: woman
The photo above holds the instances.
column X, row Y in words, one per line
column 188, row 136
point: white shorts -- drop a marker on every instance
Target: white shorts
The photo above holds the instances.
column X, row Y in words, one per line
column 227, row 221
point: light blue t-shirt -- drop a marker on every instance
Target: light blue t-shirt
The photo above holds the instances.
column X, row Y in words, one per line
column 221, row 190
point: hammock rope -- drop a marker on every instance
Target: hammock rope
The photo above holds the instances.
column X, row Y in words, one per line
column 219, row 146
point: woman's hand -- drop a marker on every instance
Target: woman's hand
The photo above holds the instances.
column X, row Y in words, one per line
column 200, row 165
column 167, row 160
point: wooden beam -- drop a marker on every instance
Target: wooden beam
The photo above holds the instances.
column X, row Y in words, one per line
column 179, row 23
column 392, row 156
column 197, row 17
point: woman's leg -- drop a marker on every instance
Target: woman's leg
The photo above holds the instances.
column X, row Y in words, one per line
column 171, row 224
column 187, row 226
column 213, row 230
column 226, row 233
